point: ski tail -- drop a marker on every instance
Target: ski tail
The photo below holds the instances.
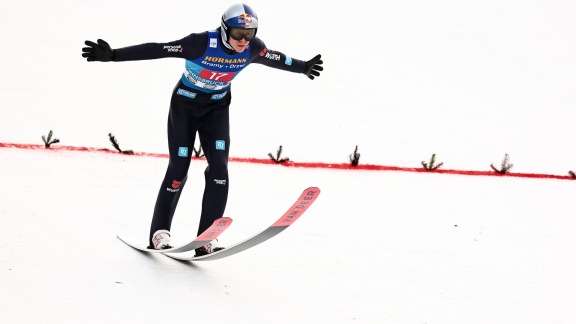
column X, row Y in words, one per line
column 217, row 228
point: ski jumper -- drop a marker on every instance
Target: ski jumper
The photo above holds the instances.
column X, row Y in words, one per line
column 200, row 104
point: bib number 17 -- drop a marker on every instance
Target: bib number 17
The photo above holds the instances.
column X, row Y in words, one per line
column 216, row 76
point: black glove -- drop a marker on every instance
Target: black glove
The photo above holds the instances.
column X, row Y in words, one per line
column 98, row 52
column 313, row 67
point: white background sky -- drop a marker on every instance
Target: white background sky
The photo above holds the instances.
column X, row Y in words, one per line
column 469, row 82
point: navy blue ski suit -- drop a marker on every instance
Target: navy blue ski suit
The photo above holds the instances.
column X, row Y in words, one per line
column 200, row 104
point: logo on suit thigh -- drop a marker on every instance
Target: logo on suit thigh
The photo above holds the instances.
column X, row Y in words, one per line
column 183, row 151
column 221, row 145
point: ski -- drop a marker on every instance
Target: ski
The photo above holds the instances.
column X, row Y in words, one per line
column 298, row 208
column 210, row 234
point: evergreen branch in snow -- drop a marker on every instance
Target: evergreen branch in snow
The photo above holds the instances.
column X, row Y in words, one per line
column 431, row 166
column 48, row 140
column 198, row 153
column 505, row 166
column 355, row 157
column 278, row 158
column 114, row 142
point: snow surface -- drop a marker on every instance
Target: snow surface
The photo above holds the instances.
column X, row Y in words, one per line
column 467, row 81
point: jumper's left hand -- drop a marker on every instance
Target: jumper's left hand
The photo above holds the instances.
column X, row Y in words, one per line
column 313, row 67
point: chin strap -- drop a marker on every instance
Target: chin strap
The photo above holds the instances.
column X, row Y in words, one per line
column 223, row 36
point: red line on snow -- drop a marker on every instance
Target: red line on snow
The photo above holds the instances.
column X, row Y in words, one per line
column 320, row 165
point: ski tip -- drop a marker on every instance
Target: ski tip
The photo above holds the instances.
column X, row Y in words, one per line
column 313, row 190
column 222, row 221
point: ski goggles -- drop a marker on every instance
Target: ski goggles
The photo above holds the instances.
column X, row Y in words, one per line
column 238, row 34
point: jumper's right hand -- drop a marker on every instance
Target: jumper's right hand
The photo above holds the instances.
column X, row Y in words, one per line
column 98, row 52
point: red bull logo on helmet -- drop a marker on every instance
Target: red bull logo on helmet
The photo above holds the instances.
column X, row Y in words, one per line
column 245, row 19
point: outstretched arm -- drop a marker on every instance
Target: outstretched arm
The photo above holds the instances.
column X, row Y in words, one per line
column 187, row 47
column 262, row 55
